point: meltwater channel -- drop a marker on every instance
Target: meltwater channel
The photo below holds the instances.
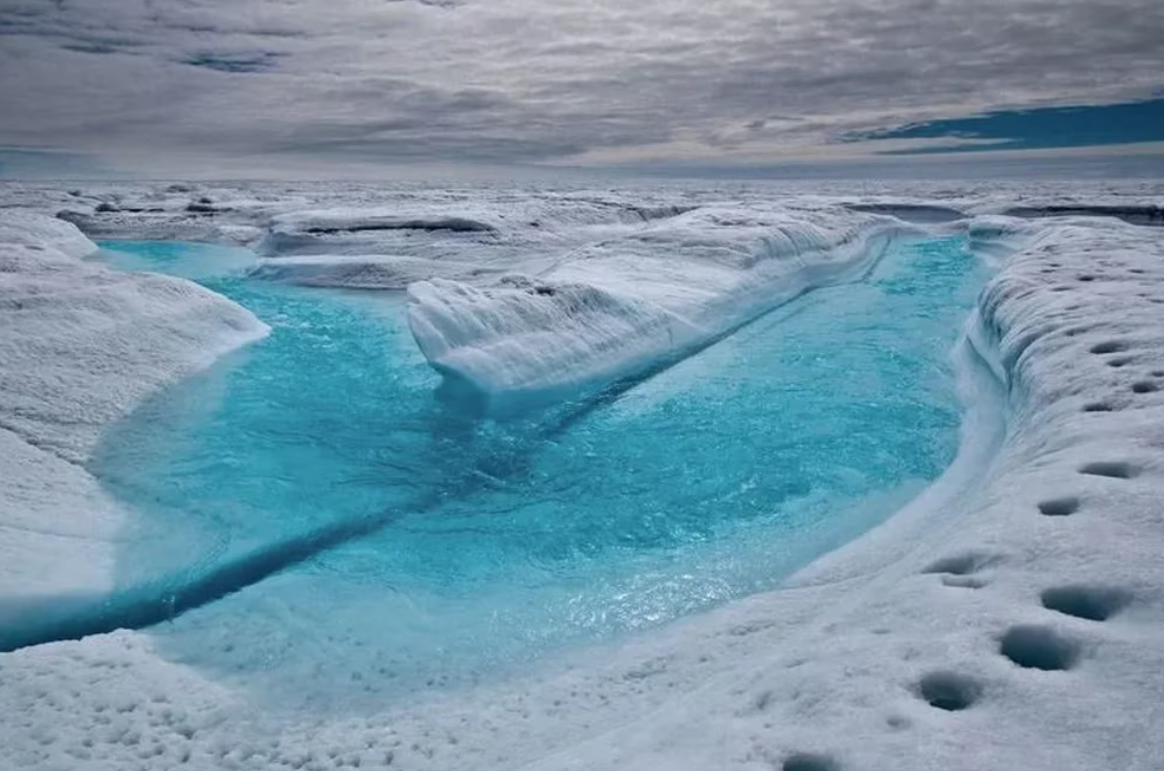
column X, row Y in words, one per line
column 493, row 541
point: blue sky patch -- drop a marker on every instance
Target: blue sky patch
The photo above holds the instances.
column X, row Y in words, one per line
column 1034, row 129
column 245, row 62
column 34, row 163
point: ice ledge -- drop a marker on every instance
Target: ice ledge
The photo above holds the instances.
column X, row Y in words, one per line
column 611, row 311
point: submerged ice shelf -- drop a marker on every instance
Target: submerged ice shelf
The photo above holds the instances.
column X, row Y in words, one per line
column 481, row 542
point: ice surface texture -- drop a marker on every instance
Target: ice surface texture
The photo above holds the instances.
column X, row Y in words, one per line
column 614, row 309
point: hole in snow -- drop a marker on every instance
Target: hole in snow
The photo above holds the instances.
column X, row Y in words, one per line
column 1116, row 469
column 962, row 564
column 963, row 582
column 1039, row 647
column 1087, row 278
column 949, row 690
column 802, row 761
column 1145, row 387
column 1109, row 346
column 1060, row 507
column 1120, row 362
column 1095, row 603
column 1097, row 407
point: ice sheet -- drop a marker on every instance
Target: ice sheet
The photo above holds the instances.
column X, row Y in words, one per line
column 836, row 671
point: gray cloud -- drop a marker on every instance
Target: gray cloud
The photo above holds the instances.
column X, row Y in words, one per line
column 524, row 81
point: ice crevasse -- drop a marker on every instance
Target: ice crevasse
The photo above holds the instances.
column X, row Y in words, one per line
column 615, row 309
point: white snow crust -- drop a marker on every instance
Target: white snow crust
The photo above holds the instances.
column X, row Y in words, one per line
column 1039, row 547
column 80, row 346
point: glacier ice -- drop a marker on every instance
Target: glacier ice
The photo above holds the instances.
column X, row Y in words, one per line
column 825, row 671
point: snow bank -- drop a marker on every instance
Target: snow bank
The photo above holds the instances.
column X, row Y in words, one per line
column 38, row 233
column 80, row 346
column 615, row 309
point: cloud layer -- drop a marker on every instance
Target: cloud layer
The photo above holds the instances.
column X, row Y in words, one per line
column 504, row 82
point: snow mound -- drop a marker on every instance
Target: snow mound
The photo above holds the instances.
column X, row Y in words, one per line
column 617, row 308
column 498, row 345
column 81, row 346
column 39, row 233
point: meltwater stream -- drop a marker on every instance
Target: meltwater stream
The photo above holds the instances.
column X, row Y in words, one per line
column 492, row 542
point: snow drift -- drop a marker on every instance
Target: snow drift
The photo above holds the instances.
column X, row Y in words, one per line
column 615, row 309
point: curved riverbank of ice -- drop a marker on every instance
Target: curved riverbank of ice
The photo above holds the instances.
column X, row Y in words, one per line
column 80, row 346
column 616, row 309
column 1029, row 611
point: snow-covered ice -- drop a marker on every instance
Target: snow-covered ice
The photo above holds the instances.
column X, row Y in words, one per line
column 80, row 346
column 614, row 309
column 1014, row 623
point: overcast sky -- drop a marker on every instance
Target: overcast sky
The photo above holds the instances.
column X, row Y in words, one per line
column 141, row 84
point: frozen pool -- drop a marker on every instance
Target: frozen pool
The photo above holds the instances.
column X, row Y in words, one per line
column 380, row 542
